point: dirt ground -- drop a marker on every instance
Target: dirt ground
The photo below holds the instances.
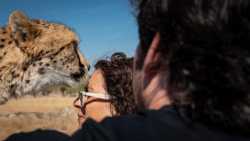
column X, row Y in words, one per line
column 29, row 113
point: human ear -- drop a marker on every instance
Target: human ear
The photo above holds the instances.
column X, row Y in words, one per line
column 151, row 61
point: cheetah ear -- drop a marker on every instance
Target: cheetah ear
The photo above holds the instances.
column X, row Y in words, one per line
column 20, row 26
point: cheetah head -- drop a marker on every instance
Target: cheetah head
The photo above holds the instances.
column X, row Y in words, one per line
column 36, row 54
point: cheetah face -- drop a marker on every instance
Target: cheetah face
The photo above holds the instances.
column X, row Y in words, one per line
column 42, row 54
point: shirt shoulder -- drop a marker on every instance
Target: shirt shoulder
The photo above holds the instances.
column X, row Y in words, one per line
column 92, row 131
column 111, row 129
column 150, row 125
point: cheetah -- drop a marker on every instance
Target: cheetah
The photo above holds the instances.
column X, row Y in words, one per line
column 35, row 54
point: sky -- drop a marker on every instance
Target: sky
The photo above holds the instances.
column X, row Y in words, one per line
column 103, row 26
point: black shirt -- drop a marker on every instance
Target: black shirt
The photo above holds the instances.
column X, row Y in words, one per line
column 39, row 135
column 151, row 125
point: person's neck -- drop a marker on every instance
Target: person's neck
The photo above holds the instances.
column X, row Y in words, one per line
column 158, row 101
column 155, row 97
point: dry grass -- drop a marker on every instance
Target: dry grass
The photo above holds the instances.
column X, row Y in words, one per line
column 28, row 114
column 38, row 104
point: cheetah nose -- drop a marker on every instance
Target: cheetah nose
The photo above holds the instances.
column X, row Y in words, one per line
column 89, row 67
column 77, row 76
column 82, row 70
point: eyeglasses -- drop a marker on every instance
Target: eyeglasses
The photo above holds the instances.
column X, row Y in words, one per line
column 84, row 95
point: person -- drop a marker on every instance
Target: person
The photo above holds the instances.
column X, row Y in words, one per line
column 191, row 74
column 109, row 91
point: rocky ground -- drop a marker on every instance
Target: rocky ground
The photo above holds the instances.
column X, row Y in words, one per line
column 31, row 113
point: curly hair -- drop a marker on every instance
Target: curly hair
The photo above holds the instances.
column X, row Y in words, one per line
column 118, row 77
column 205, row 53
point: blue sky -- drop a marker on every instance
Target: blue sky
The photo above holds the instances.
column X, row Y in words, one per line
column 104, row 26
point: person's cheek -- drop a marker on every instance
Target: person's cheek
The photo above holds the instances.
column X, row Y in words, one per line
column 99, row 110
column 93, row 110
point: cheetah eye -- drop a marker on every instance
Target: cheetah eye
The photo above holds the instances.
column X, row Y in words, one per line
column 24, row 36
column 37, row 33
column 89, row 67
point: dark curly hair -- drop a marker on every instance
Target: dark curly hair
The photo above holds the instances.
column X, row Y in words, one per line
column 205, row 54
column 118, row 77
